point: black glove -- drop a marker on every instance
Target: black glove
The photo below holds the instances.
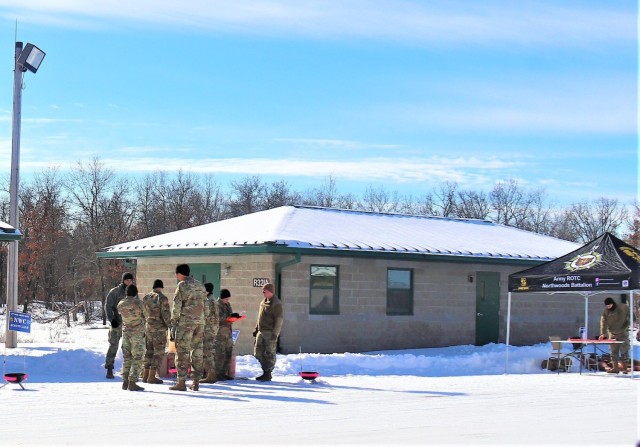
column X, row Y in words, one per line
column 115, row 323
column 172, row 333
column 255, row 333
column 235, row 315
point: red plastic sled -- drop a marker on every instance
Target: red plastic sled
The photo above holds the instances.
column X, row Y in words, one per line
column 309, row 375
column 234, row 319
column 15, row 378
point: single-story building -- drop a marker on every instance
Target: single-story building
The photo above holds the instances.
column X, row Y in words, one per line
column 355, row 281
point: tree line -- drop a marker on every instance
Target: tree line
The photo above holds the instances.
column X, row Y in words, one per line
column 66, row 218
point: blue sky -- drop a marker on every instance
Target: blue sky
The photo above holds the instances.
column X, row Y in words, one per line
column 400, row 94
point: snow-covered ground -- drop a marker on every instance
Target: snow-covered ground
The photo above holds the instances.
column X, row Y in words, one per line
column 456, row 395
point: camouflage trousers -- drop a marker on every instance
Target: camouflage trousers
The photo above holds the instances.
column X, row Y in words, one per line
column 156, row 345
column 189, row 350
column 114, row 343
column 224, row 350
column 620, row 351
column 133, row 347
column 208, row 347
column 265, row 351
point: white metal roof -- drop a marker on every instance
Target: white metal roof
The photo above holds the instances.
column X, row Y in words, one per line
column 359, row 231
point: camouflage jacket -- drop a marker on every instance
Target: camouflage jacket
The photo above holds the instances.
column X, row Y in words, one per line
column 224, row 310
column 111, row 304
column 132, row 313
column 270, row 316
column 188, row 305
column 156, row 306
column 213, row 319
column 615, row 321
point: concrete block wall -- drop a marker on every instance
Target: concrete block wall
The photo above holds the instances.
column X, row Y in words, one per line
column 444, row 313
column 444, row 303
column 244, row 297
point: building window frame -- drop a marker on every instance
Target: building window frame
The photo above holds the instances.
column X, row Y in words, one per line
column 400, row 291
column 324, row 293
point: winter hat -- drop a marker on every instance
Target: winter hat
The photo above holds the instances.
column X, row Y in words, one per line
column 224, row 293
column 209, row 287
column 157, row 284
column 269, row 287
column 126, row 276
column 183, row 269
column 132, row 290
column 608, row 301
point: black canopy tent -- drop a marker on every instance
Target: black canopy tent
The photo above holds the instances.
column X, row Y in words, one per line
column 604, row 265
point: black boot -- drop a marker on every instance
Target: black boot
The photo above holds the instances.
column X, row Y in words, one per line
column 266, row 377
column 109, row 373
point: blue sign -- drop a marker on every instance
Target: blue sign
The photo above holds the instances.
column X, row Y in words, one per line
column 234, row 335
column 19, row 322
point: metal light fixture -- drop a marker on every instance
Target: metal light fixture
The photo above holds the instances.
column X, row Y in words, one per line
column 30, row 59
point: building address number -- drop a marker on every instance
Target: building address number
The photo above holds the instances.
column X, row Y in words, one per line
column 259, row 282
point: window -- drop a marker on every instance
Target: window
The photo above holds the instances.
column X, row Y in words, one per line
column 323, row 296
column 399, row 292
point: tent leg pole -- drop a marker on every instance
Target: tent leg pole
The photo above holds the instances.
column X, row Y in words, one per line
column 631, row 339
column 506, row 364
column 586, row 313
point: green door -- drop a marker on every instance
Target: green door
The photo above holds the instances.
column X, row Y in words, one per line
column 207, row 273
column 487, row 307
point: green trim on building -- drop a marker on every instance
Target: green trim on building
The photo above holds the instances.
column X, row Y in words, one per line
column 296, row 251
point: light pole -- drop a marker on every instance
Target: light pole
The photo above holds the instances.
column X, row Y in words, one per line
column 30, row 59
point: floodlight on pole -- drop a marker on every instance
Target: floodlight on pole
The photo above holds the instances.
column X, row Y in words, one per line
column 28, row 58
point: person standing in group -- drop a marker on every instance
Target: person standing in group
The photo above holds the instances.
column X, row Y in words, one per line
column 158, row 313
column 133, row 339
column 224, row 340
column 111, row 311
column 614, row 324
column 267, row 331
column 188, row 313
column 210, row 331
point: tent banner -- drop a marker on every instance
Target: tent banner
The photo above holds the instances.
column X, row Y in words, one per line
column 604, row 264
column 560, row 283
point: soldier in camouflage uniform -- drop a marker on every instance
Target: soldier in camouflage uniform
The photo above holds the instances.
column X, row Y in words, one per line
column 188, row 313
column 133, row 339
column 614, row 324
column 267, row 331
column 156, row 306
column 210, row 332
column 111, row 311
column 224, row 341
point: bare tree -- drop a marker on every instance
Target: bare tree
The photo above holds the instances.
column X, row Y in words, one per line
column 45, row 248
column 472, row 205
column 445, row 196
column 633, row 237
column 247, row 196
column 539, row 211
column 150, row 208
column 280, row 194
column 102, row 216
column 591, row 219
column 509, row 203
column 326, row 195
column 426, row 206
column 209, row 202
column 181, row 196
column 380, row 200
